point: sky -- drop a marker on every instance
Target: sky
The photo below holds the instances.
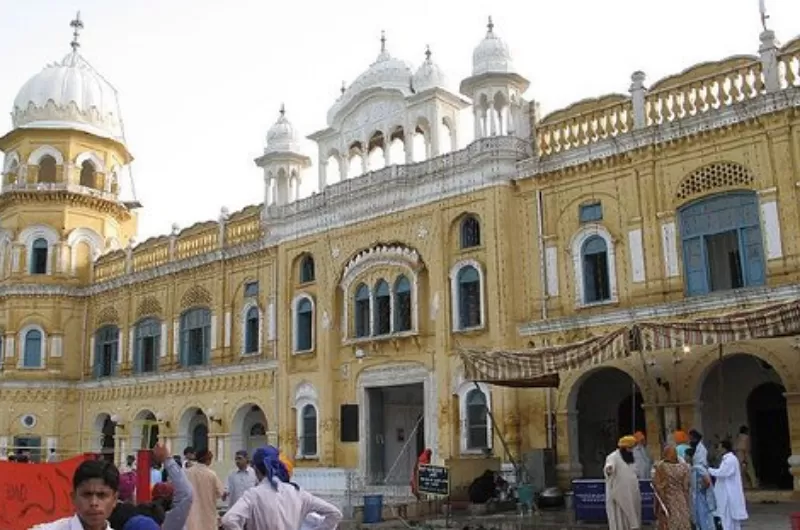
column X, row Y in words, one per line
column 201, row 81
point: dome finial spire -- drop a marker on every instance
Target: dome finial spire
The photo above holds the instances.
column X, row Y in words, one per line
column 427, row 52
column 490, row 26
column 77, row 25
column 383, row 41
column 283, row 110
column 762, row 7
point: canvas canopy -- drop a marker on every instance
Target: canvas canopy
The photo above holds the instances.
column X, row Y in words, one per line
column 540, row 368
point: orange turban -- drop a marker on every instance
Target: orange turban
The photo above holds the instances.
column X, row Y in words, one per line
column 288, row 463
column 681, row 437
column 627, row 442
column 639, row 435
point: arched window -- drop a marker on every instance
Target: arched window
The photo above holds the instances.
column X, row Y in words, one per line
column 195, row 337
column 383, row 308
column 402, row 304
column 594, row 257
column 470, row 231
column 39, row 255
column 200, row 437
column 308, row 434
column 88, row 174
column 147, row 346
column 361, row 311
column 251, row 330
column 47, row 169
column 304, row 340
column 722, row 243
column 307, row 273
column 106, row 351
column 468, row 283
column 477, row 420
column 32, row 354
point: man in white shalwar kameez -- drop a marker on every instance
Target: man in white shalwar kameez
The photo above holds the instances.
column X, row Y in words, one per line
column 731, row 506
column 623, row 498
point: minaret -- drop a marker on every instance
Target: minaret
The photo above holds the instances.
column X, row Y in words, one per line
column 283, row 163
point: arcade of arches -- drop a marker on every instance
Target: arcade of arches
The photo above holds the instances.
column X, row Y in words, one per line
column 196, row 427
column 734, row 391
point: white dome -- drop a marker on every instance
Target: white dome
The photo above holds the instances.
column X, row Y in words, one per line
column 281, row 137
column 385, row 73
column 492, row 55
column 429, row 75
column 68, row 95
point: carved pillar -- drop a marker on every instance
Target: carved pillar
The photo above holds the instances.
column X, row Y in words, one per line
column 323, row 171
column 344, row 167
column 328, row 439
column 409, row 147
column 387, row 151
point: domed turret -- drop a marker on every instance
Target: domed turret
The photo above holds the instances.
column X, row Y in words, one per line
column 281, row 137
column 69, row 94
column 429, row 75
column 492, row 55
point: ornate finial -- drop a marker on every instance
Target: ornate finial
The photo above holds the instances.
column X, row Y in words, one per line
column 427, row 52
column 762, row 7
column 77, row 26
column 490, row 25
column 383, row 41
column 283, row 110
column 344, row 87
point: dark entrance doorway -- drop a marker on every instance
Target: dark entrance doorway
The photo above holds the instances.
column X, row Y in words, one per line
column 769, row 435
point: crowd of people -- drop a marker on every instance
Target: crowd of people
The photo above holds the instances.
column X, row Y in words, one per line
column 184, row 495
column 688, row 492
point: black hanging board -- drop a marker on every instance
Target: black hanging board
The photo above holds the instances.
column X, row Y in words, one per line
column 434, row 480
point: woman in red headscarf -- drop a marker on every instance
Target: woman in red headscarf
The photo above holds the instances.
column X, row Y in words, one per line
column 423, row 460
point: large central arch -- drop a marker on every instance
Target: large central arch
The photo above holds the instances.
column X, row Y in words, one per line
column 248, row 429
column 743, row 390
column 604, row 404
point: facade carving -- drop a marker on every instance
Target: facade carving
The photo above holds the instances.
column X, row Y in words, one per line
column 541, row 231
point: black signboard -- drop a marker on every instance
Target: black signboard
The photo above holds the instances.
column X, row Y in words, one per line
column 434, row 480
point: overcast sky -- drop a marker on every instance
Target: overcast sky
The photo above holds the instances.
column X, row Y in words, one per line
column 201, row 81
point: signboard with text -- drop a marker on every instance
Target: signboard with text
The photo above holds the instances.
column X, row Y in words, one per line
column 433, row 480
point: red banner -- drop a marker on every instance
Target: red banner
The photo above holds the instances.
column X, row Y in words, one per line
column 32, row 494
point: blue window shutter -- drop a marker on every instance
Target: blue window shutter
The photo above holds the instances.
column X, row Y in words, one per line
column 206, row 344
column 98, row 356
column 588, row 281
column 184, row 357
column 695, row 266
column 137, row 355
column 753, row 256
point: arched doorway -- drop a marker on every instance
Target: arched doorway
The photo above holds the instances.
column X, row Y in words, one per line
column 769, row 435
column 249, row 430
column 106, row 431
column 743, row 390
column 606, row 405
column 145, row 431
column 193, row 429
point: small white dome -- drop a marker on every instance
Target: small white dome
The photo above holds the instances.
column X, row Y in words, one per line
column 492, row 55
column 68, row 94
column 386, row 72
column 429, row 75
column 281, row 137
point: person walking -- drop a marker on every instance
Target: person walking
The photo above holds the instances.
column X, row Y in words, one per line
column 728, row 491
column 701, row 492
column 671, row 485
column 240, row 480
column 208, row 488
column 623, row 497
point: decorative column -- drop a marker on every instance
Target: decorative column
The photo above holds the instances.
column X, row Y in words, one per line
column 638, row 93
column 769, row 61
column 569, row 465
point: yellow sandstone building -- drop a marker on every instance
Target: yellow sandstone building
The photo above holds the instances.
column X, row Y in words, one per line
column 332, row 324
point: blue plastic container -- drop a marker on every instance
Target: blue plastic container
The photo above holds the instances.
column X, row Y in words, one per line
column 373, row 509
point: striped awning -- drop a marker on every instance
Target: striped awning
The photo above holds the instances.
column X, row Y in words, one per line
column 540, row 368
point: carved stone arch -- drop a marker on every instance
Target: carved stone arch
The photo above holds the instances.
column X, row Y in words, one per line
column 571, row 381
column 382, row 254
column 84, row 235
column 196, row 296
column 92, row 157
column 107, row 315
column 712, row 178
column 702, row 365
column 44, row 150
column 305, row 391
column 422, row 125
column 149, row 307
